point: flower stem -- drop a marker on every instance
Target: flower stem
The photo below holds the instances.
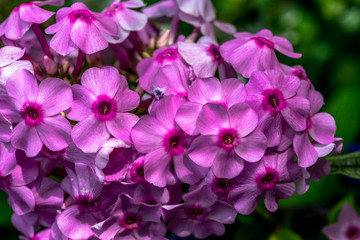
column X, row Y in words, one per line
column 41, row 38
column 79, row 64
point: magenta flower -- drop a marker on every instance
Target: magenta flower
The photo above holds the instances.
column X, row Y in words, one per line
column 126, row 19
column 273, row 177
column 22, row 17
column 228, row 138
column 78, row 27
column 131, row 220
column 10, row 63
column 37, row 110
column 248, row 53
column 148, row 67
column 201, row 214
column 204, row 56
column 320, row 126
column 101, row 104
column 227, row 93
column 282, row 112
column 347, row 227
column 158, row 136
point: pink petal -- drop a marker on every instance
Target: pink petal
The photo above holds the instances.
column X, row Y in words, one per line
column 187, row 171
column 204, row 229
column 225, row 27
column 273, row 131
column 205, row 90
column 252, row 147
column 87, row 37
column 89, row 185
column 296, row 112
column 227, row 164
column 323, row 128
column 81, row 106
column 203, row 150
column 54, row 96
column 131, row 20
column 148, row 134
column 7, row 160
column 10, row 54
column 243, row 118
column 166, row 110
column 156, row 167
column 9, row 70
column 282, row 191
column 102, row 81
column 61, row 41
column 74, row 224
column 34, row 14
column 245, row 198
column 233, row 91
column 186, row 117
column 212, row 118
column 126, row 100
column 258, row 82
column 285, row 47
column 26, row 138
column 89, row 134
column 22, row 86
column 26, row 170
column 181, row 227
column 107, row 229
column 222, row 212
column 316, row 101
column 21, row 199
column 13, row 27
column 55, row 132
column 170, row 77
column 303, row 148
column 121, row 125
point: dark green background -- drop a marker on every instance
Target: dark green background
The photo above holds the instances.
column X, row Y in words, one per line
column 327, row 33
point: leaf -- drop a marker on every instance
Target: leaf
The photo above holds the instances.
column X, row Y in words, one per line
column 346, row 164
column 285, row 234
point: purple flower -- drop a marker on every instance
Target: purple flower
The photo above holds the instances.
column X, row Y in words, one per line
column 131, row 220
column 273, row 177
column 22, row 17
column 78, row 27
column 320, row 126
column 126, row 20
column 228, row 138
column 158, row 136
column 37, row 110
column 204, row 56
column 201, row 214
column 347, row 227
column 273, row 95
column 10, row 63
column 148, row 67
column 100, row 104
column 210, row 90
column 28, row 230
column 248, row 53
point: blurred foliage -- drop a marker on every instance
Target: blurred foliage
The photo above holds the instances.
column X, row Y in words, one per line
column 327, row 33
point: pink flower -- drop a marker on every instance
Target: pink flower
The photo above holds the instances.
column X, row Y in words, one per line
column 126, row 19
column 22, row 17
column 272, row 177
column 347, row 227
column 78, row 27
column 228, row 138
column 37, row 110
column 101, row 104
column 248, row 53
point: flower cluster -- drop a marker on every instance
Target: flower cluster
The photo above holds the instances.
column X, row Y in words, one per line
column 156, row 132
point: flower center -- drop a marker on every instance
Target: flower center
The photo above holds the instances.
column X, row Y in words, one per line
column 273, row 101
column 169, row 54
column 308, row 123
column 267, row 180
column 130, row 222
column 196, row 212
column 32, row 114
column 352, row 232
column 104, row 108
column 174, row 142
column 228, row 139
column 82, row 15
column 213, row 50
column 222, row 186
column 261, row 42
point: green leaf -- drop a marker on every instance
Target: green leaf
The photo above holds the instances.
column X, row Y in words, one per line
column 284, row 234
column 346, row 164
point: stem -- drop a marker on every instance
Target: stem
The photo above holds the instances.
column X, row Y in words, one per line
column 79, row 64
column 40, row 36
column 174, row 29
column 134, row 39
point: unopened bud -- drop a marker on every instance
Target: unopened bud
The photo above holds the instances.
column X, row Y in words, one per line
column 50, row 65
column 163, row 39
